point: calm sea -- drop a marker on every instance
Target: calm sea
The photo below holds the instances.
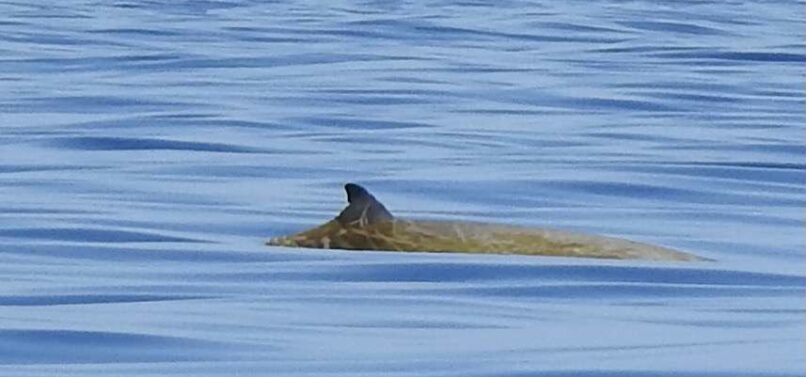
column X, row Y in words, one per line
column 148, row 148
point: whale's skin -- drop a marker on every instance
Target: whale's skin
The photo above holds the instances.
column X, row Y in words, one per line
column 371, row 227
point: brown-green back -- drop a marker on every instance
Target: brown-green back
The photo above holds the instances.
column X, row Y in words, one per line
column 366, row 224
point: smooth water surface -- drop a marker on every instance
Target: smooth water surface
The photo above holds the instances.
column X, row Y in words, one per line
column 148, row 148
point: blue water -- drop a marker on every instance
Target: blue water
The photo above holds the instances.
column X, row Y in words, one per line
column 148, row 148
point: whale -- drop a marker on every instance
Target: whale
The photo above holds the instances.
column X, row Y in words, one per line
column 366, row 224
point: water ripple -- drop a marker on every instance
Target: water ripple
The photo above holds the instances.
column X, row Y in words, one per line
column 24, row 346
column 51, row 300
column 91, row 235
column 149, row 148
column 100, row 143
column 444, row 272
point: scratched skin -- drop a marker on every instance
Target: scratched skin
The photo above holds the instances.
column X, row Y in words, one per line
column 366, row 225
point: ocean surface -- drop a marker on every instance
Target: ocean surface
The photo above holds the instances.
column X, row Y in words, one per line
column 149, row 148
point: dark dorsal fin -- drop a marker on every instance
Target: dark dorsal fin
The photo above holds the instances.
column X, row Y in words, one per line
column 363, row 209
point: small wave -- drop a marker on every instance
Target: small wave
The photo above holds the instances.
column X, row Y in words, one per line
column 91, row 235
column 118, row 254
column 754, row 56
column 462, row 272
column 51, row 300
column 597, row 291
column 35, row 346
column 99, row 143
column 360, row 123
column 633, row 373
column 674, row 27
column 90, row 104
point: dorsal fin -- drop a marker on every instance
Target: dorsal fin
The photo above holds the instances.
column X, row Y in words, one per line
column 363, row 209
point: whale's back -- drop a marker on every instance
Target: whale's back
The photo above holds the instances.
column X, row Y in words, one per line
column 470, row 237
